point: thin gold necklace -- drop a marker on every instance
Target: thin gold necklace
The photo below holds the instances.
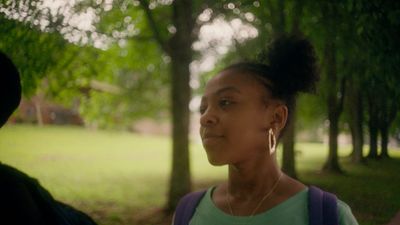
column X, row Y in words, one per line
column 261, row 201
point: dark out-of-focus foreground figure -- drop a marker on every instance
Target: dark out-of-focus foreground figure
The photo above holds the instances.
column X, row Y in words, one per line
column 23, row 200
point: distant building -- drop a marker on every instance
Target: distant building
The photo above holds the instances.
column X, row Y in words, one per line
column 40, row 111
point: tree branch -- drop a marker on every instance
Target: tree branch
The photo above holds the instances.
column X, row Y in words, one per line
column 153, row 26
column 298, row 10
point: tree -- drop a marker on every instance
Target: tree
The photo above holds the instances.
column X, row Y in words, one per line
column 352, row 64
column 379, row 27
column 87, row 67
column 355, row 110
column 334, row 84
column 288, row 155
column 179, row 48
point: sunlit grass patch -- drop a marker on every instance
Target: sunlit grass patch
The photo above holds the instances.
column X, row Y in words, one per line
column 116, row 176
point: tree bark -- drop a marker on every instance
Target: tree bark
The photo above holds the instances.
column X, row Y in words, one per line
column 277, row 11
column 373, row 128
column 388, row 114
column 289, row 138
column 297, row 14
column 355, row 113
column 384, row 141
column 288, row 154
column 38, row 111
column 179, row 48
column 181, row 56
column 280, row 28
column 332, row 162
column 333, row 87
column 373, row 139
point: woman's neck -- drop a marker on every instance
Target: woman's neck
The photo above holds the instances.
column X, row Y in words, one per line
column 251, row 180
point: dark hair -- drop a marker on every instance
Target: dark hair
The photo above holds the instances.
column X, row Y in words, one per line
column 287, row 68
column 10, row 88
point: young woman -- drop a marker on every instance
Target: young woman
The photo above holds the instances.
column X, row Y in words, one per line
column 244, row 112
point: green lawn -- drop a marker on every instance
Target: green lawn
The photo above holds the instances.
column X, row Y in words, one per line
column 119, row 177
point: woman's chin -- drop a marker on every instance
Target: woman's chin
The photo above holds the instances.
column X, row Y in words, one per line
column 215, row 161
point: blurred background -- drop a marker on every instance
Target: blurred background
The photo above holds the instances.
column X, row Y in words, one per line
column 111, row 88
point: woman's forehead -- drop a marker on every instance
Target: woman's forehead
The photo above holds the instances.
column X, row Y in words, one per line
column 231, row 81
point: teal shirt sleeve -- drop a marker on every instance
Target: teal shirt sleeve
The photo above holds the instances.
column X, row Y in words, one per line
column 346, row 217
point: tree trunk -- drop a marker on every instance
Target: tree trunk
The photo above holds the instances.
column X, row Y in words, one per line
column 288, row 154
column 38, row 111
column 355, row 111
column 384, row 142
column 388, row 113
column 373, row 139
column 332, row 163
column 373, row 127
column 333, row 89
column 289, row 139
column 181, row 56
column 297, row 14
column 280, row 28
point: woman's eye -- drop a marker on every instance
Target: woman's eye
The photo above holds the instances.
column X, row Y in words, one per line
column 202, row 109
column 225, row 102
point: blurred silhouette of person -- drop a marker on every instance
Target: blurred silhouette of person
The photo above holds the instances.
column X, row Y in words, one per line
column 23, row 201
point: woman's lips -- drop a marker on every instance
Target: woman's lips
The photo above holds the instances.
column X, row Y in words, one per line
column 211, row 137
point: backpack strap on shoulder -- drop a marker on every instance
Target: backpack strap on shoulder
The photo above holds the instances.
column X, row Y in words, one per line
column 186, row 207
column 322, row 207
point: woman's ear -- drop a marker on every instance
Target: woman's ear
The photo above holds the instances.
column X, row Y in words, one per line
column 279, row 117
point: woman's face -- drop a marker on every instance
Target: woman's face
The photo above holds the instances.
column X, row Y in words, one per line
column 236, row 113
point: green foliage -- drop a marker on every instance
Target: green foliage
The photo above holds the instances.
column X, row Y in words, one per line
column 120, row 84
column 136, row 65
column 113, row 87
column 312, row 112
column 32, row 51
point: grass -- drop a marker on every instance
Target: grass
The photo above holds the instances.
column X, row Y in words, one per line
column 119, row 177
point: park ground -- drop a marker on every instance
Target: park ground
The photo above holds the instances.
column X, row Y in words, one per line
column 122, row 178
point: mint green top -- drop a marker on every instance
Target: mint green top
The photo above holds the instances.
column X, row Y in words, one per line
column 293, row 211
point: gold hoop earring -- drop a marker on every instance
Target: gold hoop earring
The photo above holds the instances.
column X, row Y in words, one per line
column 271, row 138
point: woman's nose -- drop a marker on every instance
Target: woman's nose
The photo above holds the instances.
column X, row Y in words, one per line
column 208, row 118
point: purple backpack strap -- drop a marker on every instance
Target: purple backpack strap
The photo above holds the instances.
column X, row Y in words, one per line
column 186, row 207
column 322, row 207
